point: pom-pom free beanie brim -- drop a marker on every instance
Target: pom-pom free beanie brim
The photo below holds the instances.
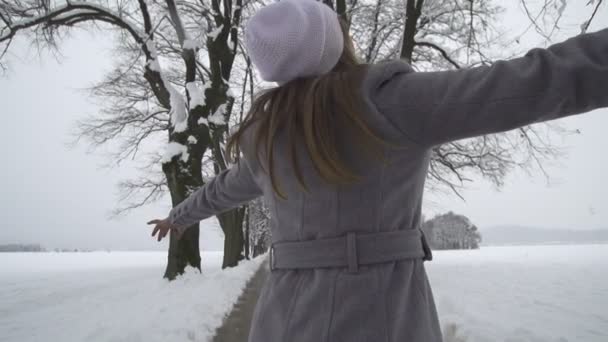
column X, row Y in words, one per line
column 293, row 38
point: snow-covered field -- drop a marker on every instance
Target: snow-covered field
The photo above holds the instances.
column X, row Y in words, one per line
column 524, row 293
column 516, row 293
column 116, row 296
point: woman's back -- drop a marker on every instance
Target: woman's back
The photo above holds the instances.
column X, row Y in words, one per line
column 387, row 198
column 330, row 304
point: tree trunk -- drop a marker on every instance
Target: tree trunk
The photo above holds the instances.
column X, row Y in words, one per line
column 247, row 238
column 413, row 11
column 185, row 251
column 232, row 225
column 341, row 10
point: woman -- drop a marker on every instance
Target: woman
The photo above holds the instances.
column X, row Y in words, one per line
column 347, row 255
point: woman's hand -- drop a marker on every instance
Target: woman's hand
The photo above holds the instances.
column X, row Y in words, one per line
column 163, row 226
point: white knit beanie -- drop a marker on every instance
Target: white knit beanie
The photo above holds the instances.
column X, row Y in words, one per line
column 293, row 38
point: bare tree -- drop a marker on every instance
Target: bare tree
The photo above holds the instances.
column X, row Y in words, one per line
column 171, row 83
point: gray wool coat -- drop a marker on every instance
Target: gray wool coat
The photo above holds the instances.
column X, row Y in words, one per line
column 393, row 302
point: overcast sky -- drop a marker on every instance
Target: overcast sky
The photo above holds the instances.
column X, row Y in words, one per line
column 59, row 197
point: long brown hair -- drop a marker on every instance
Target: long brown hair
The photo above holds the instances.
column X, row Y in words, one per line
column 309, row 107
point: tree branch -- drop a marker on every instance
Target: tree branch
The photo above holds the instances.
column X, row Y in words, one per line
column 586, row 24
column 442, row 51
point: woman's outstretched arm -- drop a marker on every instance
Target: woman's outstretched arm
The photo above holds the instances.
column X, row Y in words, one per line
column 228, row 189
column 436, row 107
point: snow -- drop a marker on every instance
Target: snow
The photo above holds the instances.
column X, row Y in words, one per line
column 197, row 96
column 152, row 48
column 114, row 296
column 192, row 139
column 203, row 121
column 218, row 117
column 553, row 293
column 213, row 34
column 174, row 149
column 154, row 66
column 178, row 112
column 191, row 44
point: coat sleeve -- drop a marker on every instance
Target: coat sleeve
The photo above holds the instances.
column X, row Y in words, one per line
column 228, row 189
column 564, row 79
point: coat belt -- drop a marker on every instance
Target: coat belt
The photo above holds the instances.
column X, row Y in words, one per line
column 350, row 250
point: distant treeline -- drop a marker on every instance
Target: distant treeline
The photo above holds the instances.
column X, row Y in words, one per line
column 20, row 247
column 451, row 231
column 17, row 247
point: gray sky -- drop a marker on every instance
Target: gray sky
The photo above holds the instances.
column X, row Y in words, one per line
column 60, row 198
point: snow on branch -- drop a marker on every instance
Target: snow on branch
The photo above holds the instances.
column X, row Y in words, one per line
column 192, row 139
column 218, row 117
column 191, row 44
column 175, row 149
column 179, row 115
column 197, row 95
column 215, row 33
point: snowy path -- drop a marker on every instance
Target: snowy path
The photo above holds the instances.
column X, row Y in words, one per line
column 236, row 326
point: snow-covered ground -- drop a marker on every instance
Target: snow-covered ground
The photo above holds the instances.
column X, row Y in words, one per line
column 114, row 296
column 554, row 293
column 516, row 293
